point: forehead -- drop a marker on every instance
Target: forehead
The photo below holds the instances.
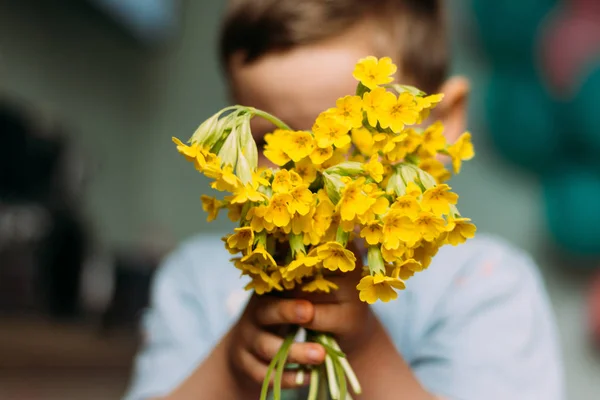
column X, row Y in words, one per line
column 298, row 84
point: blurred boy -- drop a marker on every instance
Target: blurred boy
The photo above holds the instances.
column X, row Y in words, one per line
column 477, row 325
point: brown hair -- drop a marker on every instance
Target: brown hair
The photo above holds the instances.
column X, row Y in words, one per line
column 256, row 27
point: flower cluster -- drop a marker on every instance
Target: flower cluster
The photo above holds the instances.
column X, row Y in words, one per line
column 366, row 171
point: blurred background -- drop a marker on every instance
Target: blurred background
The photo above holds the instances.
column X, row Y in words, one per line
column 93, row 194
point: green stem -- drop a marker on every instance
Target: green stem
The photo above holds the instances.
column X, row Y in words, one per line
column 271, row 118
column 276, row 362
column 314, row 384
column 341, row 377
column 350, row 374
column 283, row 354
column 264, row 392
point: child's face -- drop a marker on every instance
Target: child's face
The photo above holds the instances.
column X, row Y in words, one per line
column 298, row 84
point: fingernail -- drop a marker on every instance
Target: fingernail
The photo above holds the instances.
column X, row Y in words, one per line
column 313, row 354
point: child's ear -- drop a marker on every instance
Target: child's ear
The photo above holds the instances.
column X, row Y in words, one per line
column 452, row 111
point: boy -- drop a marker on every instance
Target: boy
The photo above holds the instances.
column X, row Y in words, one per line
column 476, row 325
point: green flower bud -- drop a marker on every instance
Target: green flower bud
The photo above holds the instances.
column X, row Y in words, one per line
column 375, row 260
column 408, row 172
column 407, row 88
column 243, row 169
column 247, row 144
column 333, row 187
column 296, row 244
column 396, row 184
column 228, row 153
column 348, row 168
column 426, row 179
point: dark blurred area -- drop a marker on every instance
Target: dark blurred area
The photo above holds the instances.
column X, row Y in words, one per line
column 47, row 245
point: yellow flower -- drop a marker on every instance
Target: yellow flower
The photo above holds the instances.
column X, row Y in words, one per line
column 411, row 264
column 228, row 181
column 242, row 239
column 295, row 178
column 407, row 205
column 398, row 227
column 301, row 200
column 259, row 256
column 438, row 199
column 392, row 255
column 459, row 230
column 282, row 181
column 363, row 140
column 354, row 201
column 252, row 268
column 372, row 72
column 378, row 207
column 278, row 210
column 306, row 170
column 189, row 152
column 429, row 102
column 374, row 103
column 424, row 252
column 436, row 169
column 247, row 193
column 319, row 284
column 298, row 145
column 349, row 111
column 256, row 216
column 209, row 164
column 402, row 145
column 301, row 267
column 426, row 104
column 303, row 223
column 321, row 219
column 211, row 206
column 379, row 287
column 372, row 232
column 275, row 147
column 374, row 168
column 429, row 225
column 461, row 151
column 398, row 112
column 334, row 256
column 321, row 154
column 338, row 156
column 433, row 140
column 406, row 269
column 263, row 283
column 328, row 130
column 234, row 212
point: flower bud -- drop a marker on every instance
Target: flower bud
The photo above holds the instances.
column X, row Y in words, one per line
column 348, row 168
column 243, row 169
column 247, row 144
column 228, row 153
column 375, row 260
column 333, row 186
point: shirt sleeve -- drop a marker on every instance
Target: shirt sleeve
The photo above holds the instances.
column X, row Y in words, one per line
column 175, row 330
column 493, row 336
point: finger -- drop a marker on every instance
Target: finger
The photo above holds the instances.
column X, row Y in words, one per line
column 333, row 318
column 306, row 354
column 267, row 345
column 278, row 311
column 256, row 371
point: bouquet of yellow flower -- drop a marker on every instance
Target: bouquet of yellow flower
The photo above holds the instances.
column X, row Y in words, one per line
column 365, row 172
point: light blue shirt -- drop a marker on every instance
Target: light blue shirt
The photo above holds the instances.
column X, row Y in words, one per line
column 476, row 325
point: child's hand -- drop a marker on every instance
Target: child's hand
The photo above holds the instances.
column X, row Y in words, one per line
column 255, row 338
